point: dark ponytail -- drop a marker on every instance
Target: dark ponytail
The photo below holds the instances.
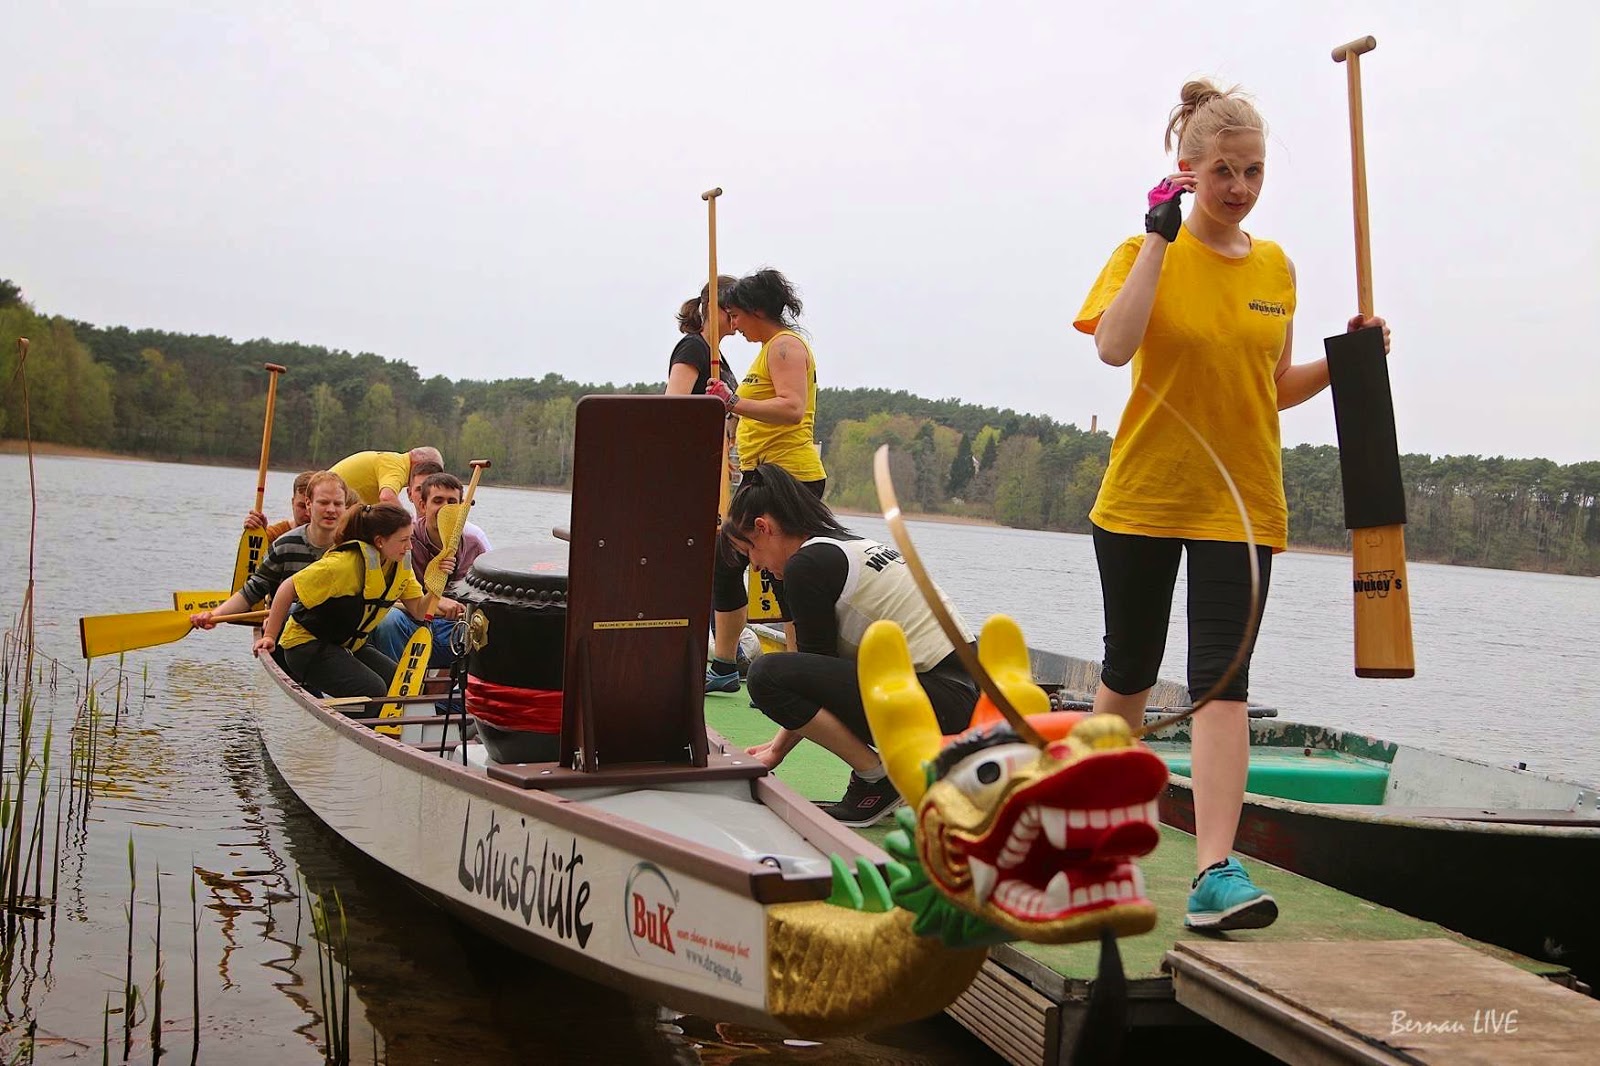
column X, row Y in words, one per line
column 766, row 293
column 368, row 522
column 769, row 489
column 692, row 315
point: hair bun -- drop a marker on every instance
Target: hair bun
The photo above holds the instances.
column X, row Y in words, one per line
column 1196, row 94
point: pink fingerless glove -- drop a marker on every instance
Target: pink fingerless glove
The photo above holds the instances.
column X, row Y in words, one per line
column 1165, row 214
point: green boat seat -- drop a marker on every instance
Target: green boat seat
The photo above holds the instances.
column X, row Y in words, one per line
column 1314, row 775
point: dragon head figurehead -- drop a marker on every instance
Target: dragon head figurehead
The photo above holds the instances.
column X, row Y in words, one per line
column 1039, row 842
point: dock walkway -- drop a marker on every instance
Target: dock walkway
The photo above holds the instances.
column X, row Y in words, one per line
column 1028, row 1003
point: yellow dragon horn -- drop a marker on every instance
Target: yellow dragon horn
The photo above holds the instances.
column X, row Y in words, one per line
column 1004, row 653
column 903, row 724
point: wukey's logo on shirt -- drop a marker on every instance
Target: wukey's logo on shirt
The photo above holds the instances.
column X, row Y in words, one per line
column 1274, row 308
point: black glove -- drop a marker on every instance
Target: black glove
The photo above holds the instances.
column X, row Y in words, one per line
column 1165, row 214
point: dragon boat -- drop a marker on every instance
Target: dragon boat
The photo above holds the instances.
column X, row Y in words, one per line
column 651, row 858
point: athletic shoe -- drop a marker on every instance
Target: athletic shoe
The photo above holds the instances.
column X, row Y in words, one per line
column 1224, row 898
column 719, row 682
column 865, row 802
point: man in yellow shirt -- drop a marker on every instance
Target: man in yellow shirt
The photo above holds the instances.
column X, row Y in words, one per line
column 383, row 477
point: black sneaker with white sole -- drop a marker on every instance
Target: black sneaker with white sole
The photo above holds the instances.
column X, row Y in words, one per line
column 865, row 802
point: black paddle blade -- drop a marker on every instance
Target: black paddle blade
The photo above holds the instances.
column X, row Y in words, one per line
column 1105, row 1020
column 1363, row 411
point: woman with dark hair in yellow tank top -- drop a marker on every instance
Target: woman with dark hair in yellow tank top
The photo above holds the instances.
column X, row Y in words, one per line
column 1205, row 312
column 777, row 408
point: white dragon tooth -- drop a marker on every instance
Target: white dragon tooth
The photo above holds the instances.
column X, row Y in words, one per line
column 1080, row 897
column 1055, row 826
column 1096, row 893
column 1078, row 819
column 983, row 878
column 1138, row 881
column 1152, row 811
column 1097, row 819
column 1058, row 893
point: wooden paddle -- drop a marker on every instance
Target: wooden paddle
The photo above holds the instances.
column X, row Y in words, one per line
column 413, row 666
column 714, row 365
column 1369, row 456
column 253, row 542
column 106, row 634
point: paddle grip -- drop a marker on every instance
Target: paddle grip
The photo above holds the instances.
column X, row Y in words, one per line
column 1354, row 48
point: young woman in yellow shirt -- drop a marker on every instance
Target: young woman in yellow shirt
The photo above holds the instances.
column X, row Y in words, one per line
column 1205, row 313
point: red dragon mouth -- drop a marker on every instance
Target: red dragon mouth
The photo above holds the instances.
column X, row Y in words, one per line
column 1061, row 847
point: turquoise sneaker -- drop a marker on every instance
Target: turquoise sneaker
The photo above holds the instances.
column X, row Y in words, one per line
column 716, row 681
column 1224, row 898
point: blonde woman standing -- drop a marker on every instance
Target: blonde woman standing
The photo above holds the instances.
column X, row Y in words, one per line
column 1205, row 312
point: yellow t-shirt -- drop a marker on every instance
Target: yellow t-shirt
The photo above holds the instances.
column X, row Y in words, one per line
column 346, row 573
column 1211, row 350
column 369, row 472
column 791, row 447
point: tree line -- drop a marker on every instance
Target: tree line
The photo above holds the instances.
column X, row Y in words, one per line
column 202, row 399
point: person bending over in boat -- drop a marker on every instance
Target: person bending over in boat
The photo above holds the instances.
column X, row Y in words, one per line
column 381, row 477
column 835, row 585
column 292, row 552
column 338, row 600
column 299, row 510
column 394, row 632
column 689, row 368
column 777, row 408
column 1205, row 312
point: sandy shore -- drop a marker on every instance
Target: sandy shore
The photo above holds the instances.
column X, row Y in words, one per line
column 18, row 446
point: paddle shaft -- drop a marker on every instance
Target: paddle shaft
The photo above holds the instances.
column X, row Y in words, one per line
column 1383, row 643
column 273, row 370
column 714, row 363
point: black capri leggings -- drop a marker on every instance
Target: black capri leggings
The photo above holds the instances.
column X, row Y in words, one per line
column 1137, row 575
column 790, row 687
column 727, row 575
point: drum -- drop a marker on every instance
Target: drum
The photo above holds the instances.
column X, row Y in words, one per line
column 517, row 599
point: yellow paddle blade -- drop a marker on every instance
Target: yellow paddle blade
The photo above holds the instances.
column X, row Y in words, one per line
column 408, row 675
column 191, row 601
column 452, row 520
column 252, row 547
column 762, row 599
column 107, row 634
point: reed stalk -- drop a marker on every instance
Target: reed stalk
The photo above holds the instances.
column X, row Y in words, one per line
column 159, row 982
column 194, row 946
column 129, row 989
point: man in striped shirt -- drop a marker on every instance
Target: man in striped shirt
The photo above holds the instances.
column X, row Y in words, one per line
column 290, row 553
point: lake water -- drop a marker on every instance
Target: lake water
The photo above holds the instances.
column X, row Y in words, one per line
column 1508, row 671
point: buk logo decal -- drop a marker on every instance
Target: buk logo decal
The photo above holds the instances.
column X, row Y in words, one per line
column 551, row 893
column 1375, row 584
column 650, row 902
column 1269, row 307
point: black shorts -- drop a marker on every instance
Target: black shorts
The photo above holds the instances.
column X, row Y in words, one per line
column 1137, row 575
column 728, row 592
column 790, row 687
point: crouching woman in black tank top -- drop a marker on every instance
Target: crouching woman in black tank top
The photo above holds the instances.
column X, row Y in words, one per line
column 835, row 585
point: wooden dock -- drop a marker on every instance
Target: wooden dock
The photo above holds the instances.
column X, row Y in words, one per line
column 1319, row 986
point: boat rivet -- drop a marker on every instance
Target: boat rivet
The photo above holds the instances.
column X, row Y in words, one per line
column 691, row 542
column 601, row 543
column 642, row 560
column 641, row 614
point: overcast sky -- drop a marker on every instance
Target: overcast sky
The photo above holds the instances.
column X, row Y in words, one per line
column 494, row 191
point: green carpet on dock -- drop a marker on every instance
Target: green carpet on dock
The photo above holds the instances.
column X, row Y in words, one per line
column 1307, row 910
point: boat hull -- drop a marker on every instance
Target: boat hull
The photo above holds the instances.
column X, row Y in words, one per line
column 595, row 895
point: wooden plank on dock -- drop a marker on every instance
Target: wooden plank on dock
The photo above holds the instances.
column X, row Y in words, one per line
column 1397, row 1001
column 1006, row 1013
